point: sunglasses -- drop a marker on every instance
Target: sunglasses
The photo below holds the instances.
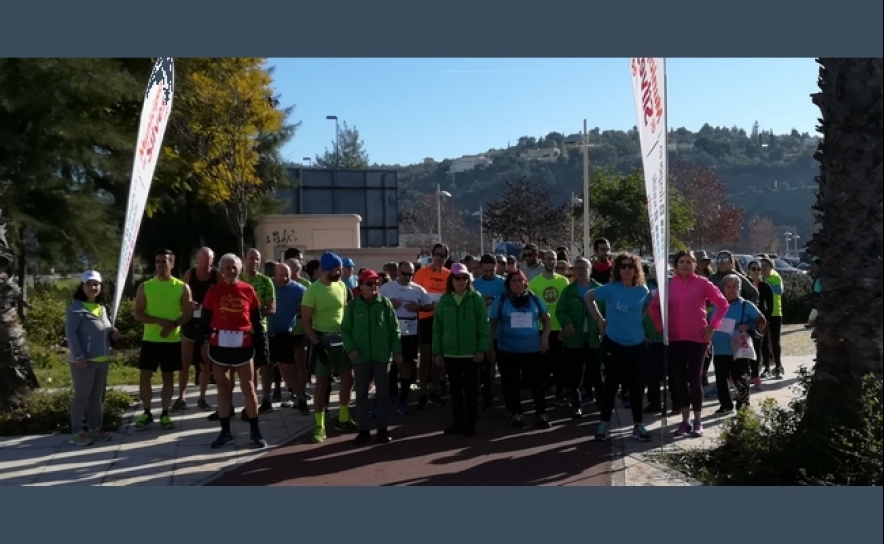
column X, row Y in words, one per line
column 406, row 274
column 370, row 283
column 754, row 269
column 461, row 278
column 440, row 255
column 627, row 266
column 724, row 259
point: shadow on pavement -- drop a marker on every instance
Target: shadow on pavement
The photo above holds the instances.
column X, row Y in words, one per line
column 421, row 454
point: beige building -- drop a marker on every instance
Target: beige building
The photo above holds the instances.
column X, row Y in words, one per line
column 314, row 234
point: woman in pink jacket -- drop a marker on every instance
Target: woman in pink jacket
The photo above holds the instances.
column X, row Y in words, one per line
column 689, row 336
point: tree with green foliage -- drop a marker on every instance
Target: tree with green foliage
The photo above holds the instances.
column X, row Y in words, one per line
column 347, row 153
column 241, row 126
column 619, row 207
column 57, row 118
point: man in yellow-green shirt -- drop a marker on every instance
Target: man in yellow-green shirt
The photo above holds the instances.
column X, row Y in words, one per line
column 549, row 286
column 322, row 312
column 162, row 304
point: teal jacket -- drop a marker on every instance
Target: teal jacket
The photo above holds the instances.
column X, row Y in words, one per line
column 461, row 330
column 371, row 329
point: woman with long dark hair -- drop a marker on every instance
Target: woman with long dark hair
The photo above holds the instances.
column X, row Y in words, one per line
column 626, row 299
column 765, row 304
column 89, row 335
column 773, row 278
column 690, row 334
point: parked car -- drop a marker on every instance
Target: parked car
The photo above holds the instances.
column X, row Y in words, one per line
column 785, row 268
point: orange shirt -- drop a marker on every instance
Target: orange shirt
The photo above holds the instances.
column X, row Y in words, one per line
column 434, row 282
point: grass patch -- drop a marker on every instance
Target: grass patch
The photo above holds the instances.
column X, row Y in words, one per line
column 53, row 370
column 48, row 412
column 769, row 447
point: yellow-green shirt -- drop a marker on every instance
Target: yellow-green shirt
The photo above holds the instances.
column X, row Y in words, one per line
column 327, row 303
column 550, row 291
column 162, row 299
column 97, row 310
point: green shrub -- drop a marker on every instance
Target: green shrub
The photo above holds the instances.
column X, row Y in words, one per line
column 769, row 448
column 47, row 412
column 797, row 297
column 45, row 317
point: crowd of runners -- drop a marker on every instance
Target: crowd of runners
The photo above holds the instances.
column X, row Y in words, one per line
column 587, row 331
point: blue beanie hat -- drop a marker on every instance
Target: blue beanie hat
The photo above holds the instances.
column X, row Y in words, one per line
column 329, row 261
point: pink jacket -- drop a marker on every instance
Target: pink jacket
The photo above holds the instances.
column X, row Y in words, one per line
column 687, row 308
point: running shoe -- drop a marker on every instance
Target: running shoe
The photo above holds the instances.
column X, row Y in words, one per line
column 144, row 420
column 81, row 438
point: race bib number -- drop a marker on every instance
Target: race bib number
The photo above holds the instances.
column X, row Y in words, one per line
column 197, row 313
column 407, row 327
column 522, row 320
column 586, row 325
column 727, row 325
column 230, row 339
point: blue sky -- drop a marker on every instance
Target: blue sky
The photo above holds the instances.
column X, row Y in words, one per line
column 409, row 109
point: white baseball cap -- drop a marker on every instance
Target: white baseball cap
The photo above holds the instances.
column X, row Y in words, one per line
column 90, row 275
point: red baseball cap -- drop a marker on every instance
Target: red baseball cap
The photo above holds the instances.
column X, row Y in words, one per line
column 368, row 274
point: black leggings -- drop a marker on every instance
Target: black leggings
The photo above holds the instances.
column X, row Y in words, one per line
column 772, row 343
column 463, row 378
column 654, row 375
column 755, row 364
column 687, row 359
column 738, row 371
column 626, row 369
column 517, row 369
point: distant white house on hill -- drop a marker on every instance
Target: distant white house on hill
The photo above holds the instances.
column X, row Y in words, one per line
column 468, row 162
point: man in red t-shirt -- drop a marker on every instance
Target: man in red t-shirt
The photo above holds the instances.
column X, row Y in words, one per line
column 232, row 323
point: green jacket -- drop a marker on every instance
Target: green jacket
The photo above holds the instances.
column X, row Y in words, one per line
column 461, row 330
column 371, row 329
column 572, row 310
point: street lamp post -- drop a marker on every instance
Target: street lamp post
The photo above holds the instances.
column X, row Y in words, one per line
column 586, row 241
column 308, row 159
column 481, row 230
column 574, row 203
column 337, row 140
column 439, row 194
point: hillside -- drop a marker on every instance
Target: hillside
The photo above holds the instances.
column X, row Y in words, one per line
column 767, row 174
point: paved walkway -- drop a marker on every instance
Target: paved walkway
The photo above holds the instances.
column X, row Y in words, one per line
column 419, row 455
column 631, row 463
column 148, row 456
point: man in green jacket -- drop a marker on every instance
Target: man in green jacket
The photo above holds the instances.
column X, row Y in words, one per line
column 580, row 337
column 370, row 333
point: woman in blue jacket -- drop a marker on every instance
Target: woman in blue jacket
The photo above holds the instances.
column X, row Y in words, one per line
column 89, row 335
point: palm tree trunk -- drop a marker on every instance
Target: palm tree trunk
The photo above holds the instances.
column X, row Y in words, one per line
column 848, row 330
column 16, row 372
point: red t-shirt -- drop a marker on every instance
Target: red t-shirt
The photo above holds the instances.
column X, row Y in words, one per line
column 231, row 307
